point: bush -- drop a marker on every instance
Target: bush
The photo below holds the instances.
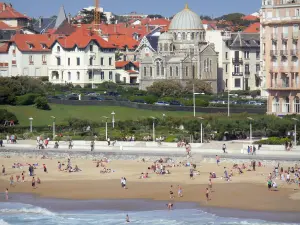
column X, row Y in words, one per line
column 198, row 102
column 273, row 141
column 7, row 116
column 27, row 99
column 42, row 103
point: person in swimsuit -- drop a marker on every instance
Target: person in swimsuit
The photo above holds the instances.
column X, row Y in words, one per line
column 3, row 170
column 33, row 183
column 127, row 218
column 210, row 184
column 191, row 173
column 171, row 192
column 207, row 195
column 11, row 180
column 23, row 177
column 180, row 191
column 45, row 168
column 269, row 184
column 6, row 194
column 218, row 159
column 170, row 206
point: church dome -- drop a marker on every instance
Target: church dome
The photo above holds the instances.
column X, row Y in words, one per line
column 186, row 20
column 165, row 36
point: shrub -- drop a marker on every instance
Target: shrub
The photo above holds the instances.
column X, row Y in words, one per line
column 273, row 141
column 7, row 116
column 42, row 103
column 27, row 99
column 198, row 102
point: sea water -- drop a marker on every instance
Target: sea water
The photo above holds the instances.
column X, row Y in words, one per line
column 19, row 214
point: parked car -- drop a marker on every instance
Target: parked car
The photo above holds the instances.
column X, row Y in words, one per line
column 161, row 103
column 140, row 101
column 73, row 97
column 95, row 98
column 175, row 103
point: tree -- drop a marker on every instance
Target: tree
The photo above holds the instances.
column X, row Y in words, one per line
column 235, row 18
column 155, row 16
column 42, row 103
column 203, row 17
column 88, row 16
column 199, row 85
column 165, row 88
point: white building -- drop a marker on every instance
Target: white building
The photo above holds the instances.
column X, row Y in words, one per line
column 82, row 58
column 239, row 59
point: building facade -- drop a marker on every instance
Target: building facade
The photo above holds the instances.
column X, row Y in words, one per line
column 239, row 59
column 182, row 54
column 280, row 20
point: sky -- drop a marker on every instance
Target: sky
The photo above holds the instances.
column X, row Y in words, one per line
column 215, row 8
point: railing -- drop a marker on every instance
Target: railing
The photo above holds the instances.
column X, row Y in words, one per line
column 237, row 60
column 284, row 52
column 237, row 74
column 284, row 36
column 294, row 52
column 295, row 35
column 273, row 52
column 247, row 72
column 274, row 36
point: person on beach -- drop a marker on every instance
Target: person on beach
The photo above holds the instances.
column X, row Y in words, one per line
column 224, row 148
column 11, row 179
column 38, row 181
column 179, row 191
column 218, row 159
column 92, row 145
column 170, row 206
column 127, row 219
column 33, row 183
column 191, row 174
column 207, row 195
column 45, row 168
column 3, row 170
column 210, row 185
column 23, row 176
column 253, row 165
column 108, row 141
column 6, row 194
column 70, row 144
column 269, row 184
column 171, row 192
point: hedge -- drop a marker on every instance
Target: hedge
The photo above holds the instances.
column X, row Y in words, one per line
column 273, row 141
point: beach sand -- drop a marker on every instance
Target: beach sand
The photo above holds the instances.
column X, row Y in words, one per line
column 247, row 191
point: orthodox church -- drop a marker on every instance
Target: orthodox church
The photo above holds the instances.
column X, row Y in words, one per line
column 182, row 53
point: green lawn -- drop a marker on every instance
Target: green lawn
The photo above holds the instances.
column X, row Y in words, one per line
column 93, row 113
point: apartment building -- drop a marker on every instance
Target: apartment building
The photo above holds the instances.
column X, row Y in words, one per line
column 239, row 59
column 82, row 58
column 280, row 20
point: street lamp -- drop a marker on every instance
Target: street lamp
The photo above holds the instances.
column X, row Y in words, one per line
column 53, row 126
column 201, row 129
column 295, row 130
column 249, row 118
column 194, row 99
column 153, row 125
column 228, row 103
column 105, row 126
column 113, row 119
column 30, row 121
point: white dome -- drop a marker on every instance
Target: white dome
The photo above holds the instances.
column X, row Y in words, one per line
column 165, row 36
column 186, row 20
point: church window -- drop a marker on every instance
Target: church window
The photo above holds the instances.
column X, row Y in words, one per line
column 210, row 65
column 171, row 47
column 157, row 68
column 177, row 71
column 171, row 71
column 160, row 47
column 151, row 71
column 193, row 36
column 183, row 36
column 165, row 47
column 200, row 36
column 186, row 71
column 203, row 36
column 145, row 71
column 197, row 36
column 162, row 69
column 194, row 71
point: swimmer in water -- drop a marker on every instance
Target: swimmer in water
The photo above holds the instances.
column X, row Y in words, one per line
column 170, row 206
column 127, row 218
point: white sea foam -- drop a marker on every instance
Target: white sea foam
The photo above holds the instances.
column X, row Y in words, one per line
column 35, row 210
column 2, row 222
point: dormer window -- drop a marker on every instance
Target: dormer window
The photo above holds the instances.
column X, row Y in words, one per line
column 44, row 46
column 58, row 48
column 30, row 46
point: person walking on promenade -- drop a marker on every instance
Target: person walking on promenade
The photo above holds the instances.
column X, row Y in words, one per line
column 70, row 144
column 224, row 148
column 218, row 159
column 92, row 145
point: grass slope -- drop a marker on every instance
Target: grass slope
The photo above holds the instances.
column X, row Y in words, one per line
column 93, row 113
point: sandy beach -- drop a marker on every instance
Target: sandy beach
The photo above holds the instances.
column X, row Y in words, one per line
column 247, row 191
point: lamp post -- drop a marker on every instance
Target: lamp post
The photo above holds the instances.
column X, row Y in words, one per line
column 30, row 122
column 105, row 126
column 201, row 129
column 194, row 99
column 295, row 131
column 113, row 119
column 53, row 126
column 249, row 118
column 228, row 103
column 153, row 127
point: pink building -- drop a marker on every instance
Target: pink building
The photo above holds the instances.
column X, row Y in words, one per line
column 280, row 47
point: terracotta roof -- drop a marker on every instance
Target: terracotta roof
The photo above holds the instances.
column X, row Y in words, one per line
column 4, row 47
column 250, row 18
column 82, row 37
column 253, row 28
column 10, row 12
column 122, row 28
column 121, row 40
column 137, row 64
column 4, row 26
column 37, row 41
column 120, row 64
column 156, row 22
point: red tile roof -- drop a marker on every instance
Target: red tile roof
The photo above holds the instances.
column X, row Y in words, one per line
column 121, row 40
column 120, row 64
column 4, row 47
column 156, row 22
column 37, row 41
column 253, row 28
column 137, row 64
column 10, row 12
column 250, row 18
column 122, row 28
column 82, row 37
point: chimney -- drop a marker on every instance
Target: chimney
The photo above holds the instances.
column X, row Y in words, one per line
column 40, row 22
column 4, row 7
column 69, row 18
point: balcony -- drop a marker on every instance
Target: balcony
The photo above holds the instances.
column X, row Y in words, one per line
column 237, row 74
column 283, row 52
column 237, row 60
column 284, row 36
column 247, row 72
column 294, row 52
column 295, row 35
column 280, row 20
column 273, row 52
column 274, row 36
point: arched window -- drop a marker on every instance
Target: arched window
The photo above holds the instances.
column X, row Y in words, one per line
column 177, row 71
column 165, row 47
column 58, row 48
column 194, row 71
column 151, row 71
column 183, row 36
column 157, row 69
column 160, row 47
column 275, row 105
column 145, row 71
column 286, row 105
column 162, row 69
column 200, row 36
column 186, row 71
column 210, row 65
column 171, row 71
column 175, row 36
column 171, row 48
column 296, row 105
column 205, row 65
column 193, row 36
column 197, row 36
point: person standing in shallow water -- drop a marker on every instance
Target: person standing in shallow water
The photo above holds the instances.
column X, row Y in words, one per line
column 6, row 194
column 127, row 218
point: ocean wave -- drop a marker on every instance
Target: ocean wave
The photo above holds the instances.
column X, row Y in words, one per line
column 2, row 222
column 36, row 210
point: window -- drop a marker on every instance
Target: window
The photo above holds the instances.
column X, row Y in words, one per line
column 171, row 71
column 110, row 75
column 246, row 54
column 236, row 68
column 58, row 48
column 186, row 71
column 90, row 75
column 226, row 83
column 296, row 105
column 226, row 68
column 91, row 61
column 78, row 75
column 30, row 60
column 157, row 69
column 297, row 12
column 275, row 105
column 91, row 48
column 286, row 105
column 44, row 59
column 237, row 82
column 69, row 61
column 102, row 75
column 110, row 61
column 58, row 61
column 162, row 69
column 257, row 54
column 210, row 65
column 165, row 47
column 183, row 36
column 145, row 71
column 151, row 71
column 226, row 55
column 102, row 61
column 78, row 61
column 177, row 71
column 69, row 76
column 134, row 58
column 160, row 47
column 247, row 69
column 257, row 67
column 193, row 36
